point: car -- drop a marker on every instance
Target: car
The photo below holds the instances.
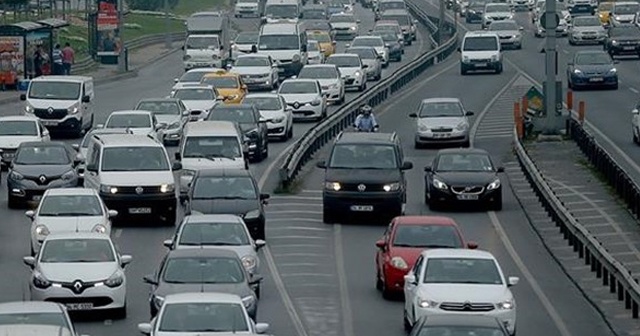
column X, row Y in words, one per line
column 371, row 59
column 330, row 79
column 273, row 108
column 496, row 12
column 63, row 210
column 623, row 12
column 523, row 5
column 459, row 325
column 35, row 318
column 202, row 270
column 509, row 32
column 538, row 10
column 347, row 5
column 244, row 42
column 325, row 40
column 385, row 5
column 563, row 26
column 345, row 26
column 81, row 270
column 305, row 97
column 635, row 123
column 193, row 76
column 199, row 100
column 403, row 241
column 365, row 177
column 37, row 167
column 15, row 130
column 480, row 50
column 226, row 191
column 335, row 7
column 258, row 71
column 592, row 68
column 314, row 53
column 581, row 10
column 351, row 69
column 170, row 114
column 315, row 12
column 137, row 121
column 83, row 147
column 228, row 84
column 604, row 11
column 623, row 40
column 252, row 125
column 586, row 30
column 441, row 121
column 475, row 12
column 390, row 26
column 406, row 22
column 321, row 26
column 447, row 281
column 391, row 42
column 247, row 8
column 465, row 175
column 373, row 41
column 196, row 313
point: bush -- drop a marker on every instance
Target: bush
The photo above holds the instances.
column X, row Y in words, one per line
column 151, row 5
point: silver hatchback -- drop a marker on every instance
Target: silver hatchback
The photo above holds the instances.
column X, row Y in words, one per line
column 441, row 121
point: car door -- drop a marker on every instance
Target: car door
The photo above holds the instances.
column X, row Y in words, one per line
column 92, row 178
column 411, row 289
column 382, row 255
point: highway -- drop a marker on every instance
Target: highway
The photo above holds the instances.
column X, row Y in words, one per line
column 145, row 243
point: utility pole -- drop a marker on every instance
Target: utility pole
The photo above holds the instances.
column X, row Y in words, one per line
column 167, row 26
column 441, row 18
column 122, row 57
column 553, row 107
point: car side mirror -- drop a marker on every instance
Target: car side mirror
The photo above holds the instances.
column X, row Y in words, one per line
column 160, row 126
column 178, row 156
column 468, row 113
column 569, row 63
column 275, row 66
column 176, row 80
column 334, row 42
column 92, row 167
column 472, row 245
column 125, row 260
column 186, row 113
column 23, row 96
column 30, row 214
column 149, row 279
column 182, row 47
column 29, row 261
column 458, row 49
column 410, row 279
column 244, row 86
column 500, row 170
column 381, row 244
column 407, row 165
column 513, row 281
column 262, row 328
column 413, row 115
column 78, row 159
column 183, row 198
column 168, row 243
column 76, row 147
column 176, row 166
column 221, row 47
column 289, row 109
column 255, row 279
column 264, row 197
column 145, row 328
column 321, row 164
column 427, row 169
column 86, row 99
column 260, row 244
column 415, row 22
column 635, row 111
column 112, row 213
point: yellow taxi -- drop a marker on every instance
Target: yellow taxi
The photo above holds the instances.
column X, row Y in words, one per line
column 228, row 84
column 604, row 8
column 327, row 45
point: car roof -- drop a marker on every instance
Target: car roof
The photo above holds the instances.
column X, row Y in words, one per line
column 18, row 118
column 441, row 100
column 341, row 14
column 127, row 140
column 159, row 100
column 30, row 307
column 211, row 128
column 395, row 11
column 202, row 252
column 342, row 55
column 253, row 55
column 77, row 235
column 365, row 37
column 295, row 80
column 348, row 50
column 63, row 78
column 217, row 172
column 43, row 144
column 104, row 131
column 217, row 218
column 386, row 23
column 462, row 320
column 457, row 253
column 314, row 6
column 202, row 297
column 262, row 95
column 204, row 69
column 70, row 191
column 324, row 65
column 462, row 151
column 195, row 86
column 480, row 33
column 233, row 107
column 425, row 220
column 121, row 112
column 366, row 138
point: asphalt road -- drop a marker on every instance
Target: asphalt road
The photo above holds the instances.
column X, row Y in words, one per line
column 145, row 243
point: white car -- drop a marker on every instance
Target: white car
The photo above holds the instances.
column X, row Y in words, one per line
column 623, row 12
column 137, row 121
column 314, row 53
column 193, row 76
column 81, row 270
column 441, row 121
column 35, row 318
column 198, row 99
column 586, row 30
column 247, row 8
column 344, row 26
column 351, row 69
column 258, row 71
column 496, row 12
column 15, row 130
column 305, row 97
column 509, row 32
column 371, row 59
column 273, row 108
column 635, row 123
column 330, row 79
column 83, row 147
column 372, row 41
column 458, row 281
column 244, row 42
column 64, row 210
column 199, row 313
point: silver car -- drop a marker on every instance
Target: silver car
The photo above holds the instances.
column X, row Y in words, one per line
column 198, row 99
column 35, row 318
column 375, row 42
column 63, row 210
column 83, row 271
column 344, row 25
column 509, row 32
column 441, row 121
column 371, row 59
column 586, row 30
column 171, row 115
column 258, row 71
column 496, row 12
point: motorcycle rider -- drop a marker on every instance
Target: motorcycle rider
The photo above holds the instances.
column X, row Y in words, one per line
column 365, row 121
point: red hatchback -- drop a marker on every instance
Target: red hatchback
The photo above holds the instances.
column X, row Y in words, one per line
column 404, row 240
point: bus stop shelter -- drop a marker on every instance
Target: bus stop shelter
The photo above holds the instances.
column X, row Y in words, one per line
column 55, row 24
column 19, row 44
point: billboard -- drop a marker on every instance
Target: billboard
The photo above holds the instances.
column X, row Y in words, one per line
column 109, row 43
column 11, row 59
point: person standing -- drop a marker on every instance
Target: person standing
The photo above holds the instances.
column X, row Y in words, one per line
column 56, row 58
column 37, row 62
column 68, row 58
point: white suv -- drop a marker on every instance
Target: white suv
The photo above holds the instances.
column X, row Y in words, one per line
column 480, row 51
column 133, row 175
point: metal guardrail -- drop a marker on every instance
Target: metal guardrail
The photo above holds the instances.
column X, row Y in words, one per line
column 319, row 135
column 613, row 274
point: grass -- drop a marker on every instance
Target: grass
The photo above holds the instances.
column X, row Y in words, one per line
column 187, row 7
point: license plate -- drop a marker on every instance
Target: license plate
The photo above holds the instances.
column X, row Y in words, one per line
column 139, row 211
column 79, row 306
column 481, row 65
column 467, row 197
column 444, row 135
column 628, row 48
column 49, row 122
column 596, row 79
column 36, row 198
column 361, row 208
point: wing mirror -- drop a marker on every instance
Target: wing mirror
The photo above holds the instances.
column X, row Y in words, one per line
column 176, row 80
column 616, row 62
column 112, row 213
column 513, row 281
column 500, row 170
column 186, row 113
column 321, row 164
column 260, row 244
column 468, row 113
column 78, row 159
column 569, row 63
column 413, row 115
column 92, row 167
column 472, row 245
column 176, row 166
column 30, row 214
column 381, row 244
column 364, row 66
column 255, row 279
column 264, row 197
column 125, row 260
column 262, row 328
column 458, row 49
column 410, row 279
column 358, row 21
column 178, row 156
column 100, row 126
column 86, row 99
column 168, row 243
column 29, row 261
column 427, row 169
column 183, row 198
column 76, row 147
column 23, row 96
column 145, row 328
column 161, row 126
column 407, row 165
column 150, row 279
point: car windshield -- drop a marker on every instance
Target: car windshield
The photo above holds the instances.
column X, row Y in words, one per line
column 626, row 9
column 298, row 87
column 134, row 159
column 464, row 162
column 462, row 271
column 459, row 331
column 320, row 37
column 87, row 138
column 605, row 6
column 504, row 25
column 402, row 20
column 388, row 37
column 599, row 58
column 159, row 107
column 129, row 121
column 70, row 205
column 202, row 42
column 229, row 113
column 77, row 250
column 247, row 38
column 201, row 317
column 45, row 155
column 383, row 6
column 363, row 156
column 387, row 27
column 313, row 46
column 199, row 234
column 480, row 43
column 265, row 103
column 202, row 271
column 342, row 19
column 344, row 61
column 624, row 31
column 367, row 42
column 35, row 318
column 324, row 72
column 18, row 128
column 194, row 76
column 494, row 8
column 279, row 42
column 427, row 236
column 51, row 90
column 249, row 61
column 588, row 21
column 212, row 146
column 225, row 188
column 221, row 82
column 364, row 53
column 194, row 94
column 282, row 11
column 312, row 14
column 440, row 110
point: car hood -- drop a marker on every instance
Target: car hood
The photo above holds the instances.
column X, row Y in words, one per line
column 343, row 25
column 68, row 272
column 444, row 122
column 38, row 170
column 55, row 103
column 70, row 224
column 252, row 70
column 280, row 54
column 199, row 105
column 328, row 81
column 241, row 251
column 595, row 68
column 467, row 178
column 508, row 33
column 464, row 293
column 268, row 114
column 13, row 141
column 582, row 29
column 202, row 163
column 222, row 206
column 624, row 17
column 299, row 97
column 134, row 178
column 362, row 175
column 240, row 289
column 497, row 14
column 349, row 72
column 33, row 330
column 168, row 118
column 408, row 254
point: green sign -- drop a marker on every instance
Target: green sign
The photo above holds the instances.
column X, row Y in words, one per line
column 536, row 101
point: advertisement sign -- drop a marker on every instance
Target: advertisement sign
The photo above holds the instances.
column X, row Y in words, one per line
column 11, row 59
column 107, row 26
column 38, row 53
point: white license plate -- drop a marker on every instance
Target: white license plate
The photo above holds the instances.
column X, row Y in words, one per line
column 36, row 198
column 79, row 306
column 467, row 197
column 444, row 135
column 596, row 79
column 49, row 122
column 138, row 211
column 362, row 208
column 480, row 65
column 628, row 48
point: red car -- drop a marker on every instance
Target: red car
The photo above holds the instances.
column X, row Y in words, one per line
column 404, row 240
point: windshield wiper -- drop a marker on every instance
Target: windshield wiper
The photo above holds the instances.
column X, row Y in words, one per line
column 177, row 282
column 232, row 198
column 473, row 282
column 219, row 244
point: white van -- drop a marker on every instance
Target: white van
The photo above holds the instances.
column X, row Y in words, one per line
column 62, row 103
column 480, row 51
column 279, row 10
column 286, row 43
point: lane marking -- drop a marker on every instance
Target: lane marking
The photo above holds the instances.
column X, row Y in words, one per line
column 634, row 90
column 557, row 320
column 347, row 314
column 118, row 233
column 485, row 110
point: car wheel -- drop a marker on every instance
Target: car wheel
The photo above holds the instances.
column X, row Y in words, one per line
column 328, row 217
column 12, row 202
column 466, row 144
column 379, row 284
column 417, row 145
column 120, row 313
column 90, row 126
column 406, row 323
column 386, row 293
column 614, row 86
column 569, row 84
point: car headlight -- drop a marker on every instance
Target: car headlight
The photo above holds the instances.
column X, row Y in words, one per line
column 115, row 280
column 423, row 128
column 424, row 303
column 399, row 263
column 494, row 58
column 507, row 304
column 253, row 214
column 42, row 230
column 335, row 186
column 249, row 262
column 28, row 108
column 354, row 28
column 40, row 281
column 316, row 102
column 614, row 70
column 167, row 188
column 73, row 109
column 99, row 228
column 70, row 175
column 391, row 187
column 296, row 58
column 618, row 18
column 157, row 301
column 14, row 175
column 248, row 301
column 494, row 185
column 277, row 120
column 186, row 57
column 462, row 126
column 439, row 184
column 614, row 42
column 358, row 74
column 107, row 189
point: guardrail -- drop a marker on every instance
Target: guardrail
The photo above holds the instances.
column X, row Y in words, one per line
column 319, row 135
column 613, row 274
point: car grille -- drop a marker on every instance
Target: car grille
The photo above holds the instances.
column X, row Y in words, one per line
column 144, row 190
column 39, row 181
column 50, row 113
column 97, row 301
column 474, row 190
column 442, row 130
column 483, row 60
column 467, row 306
column 505, row 37
column 341, row 29
column 498, row 18
column 254, row 76
column 628, row 43
column 294, row 104
column 368, row 187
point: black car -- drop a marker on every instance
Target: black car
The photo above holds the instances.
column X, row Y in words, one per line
column 254, row 127
column 222, row 191
column 623, row 40
column 582, row 10
column 38, row 166
column 475, row 11
column 464, row 324
column 315, row 12
column 592, row 68
column 391, row 41
column 463, row 175
column 364, row 175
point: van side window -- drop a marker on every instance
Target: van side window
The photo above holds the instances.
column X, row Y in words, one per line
column 93, row 155
column 84, row 90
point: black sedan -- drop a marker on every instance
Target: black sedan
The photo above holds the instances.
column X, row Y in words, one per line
column 463, row 175
column 623, row 40
column 475, row 11
column 254, row 127
column 592, row 68
column 463, row 324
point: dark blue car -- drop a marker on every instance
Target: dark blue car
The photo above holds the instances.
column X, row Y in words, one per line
column 592, row 68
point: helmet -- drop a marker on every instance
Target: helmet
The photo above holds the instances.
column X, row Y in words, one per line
column 366, row 109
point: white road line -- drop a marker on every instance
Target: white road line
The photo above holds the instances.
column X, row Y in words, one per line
column 476, row 124
column 347, row 315
column 493, row 136
column 118, row 233
column 553, row 313
column 634, row 90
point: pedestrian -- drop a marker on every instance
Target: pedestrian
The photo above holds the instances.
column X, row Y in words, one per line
column 37, row 62
column 56, row 58
column 68, row 58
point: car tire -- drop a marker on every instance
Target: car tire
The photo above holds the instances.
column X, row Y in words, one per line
column 379, row 283
column 569, row 84
column 417, row 145
column 170, row 219
column 120, row 313
column 12, row 203
column 265, row 150
column 571, row 42
column 363, row 86
column 328, row 217
column 405, row 321
column 463, row 71
column 289, row 133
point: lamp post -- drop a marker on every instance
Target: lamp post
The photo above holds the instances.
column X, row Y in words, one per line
column 553, row 106
column 167, row 26
column 122, row 56
column 441, row 18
